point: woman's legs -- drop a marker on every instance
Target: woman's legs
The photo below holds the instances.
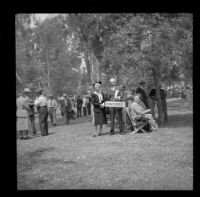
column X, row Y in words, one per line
column 100, row 129
column 95, row 131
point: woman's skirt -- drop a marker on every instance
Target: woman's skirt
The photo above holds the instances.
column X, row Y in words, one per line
column 99, row 118
column 22, row 123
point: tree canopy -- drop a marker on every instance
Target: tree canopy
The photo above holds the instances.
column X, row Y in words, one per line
column 156, row 47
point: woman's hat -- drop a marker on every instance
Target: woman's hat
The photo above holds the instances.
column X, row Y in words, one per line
column 97, row 84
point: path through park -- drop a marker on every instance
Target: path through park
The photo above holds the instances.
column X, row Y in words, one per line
column 70, row 158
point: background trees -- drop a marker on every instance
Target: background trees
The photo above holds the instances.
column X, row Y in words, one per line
column 51, row 54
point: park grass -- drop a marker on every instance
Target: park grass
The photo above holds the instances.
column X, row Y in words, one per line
column 70, row 158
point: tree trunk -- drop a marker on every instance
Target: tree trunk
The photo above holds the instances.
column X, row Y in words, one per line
column 48, row 72
column 158, row 98
column 88, row 65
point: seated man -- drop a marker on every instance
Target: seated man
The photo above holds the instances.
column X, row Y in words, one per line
column 139, row 113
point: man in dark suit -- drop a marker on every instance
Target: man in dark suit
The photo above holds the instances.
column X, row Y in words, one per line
column 140, row 90
column 67, row 109
column 163, row 96
column 79, row 106
column 114, row 95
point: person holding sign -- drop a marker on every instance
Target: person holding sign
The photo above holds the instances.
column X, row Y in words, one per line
column 98, row 99
column 115, row 95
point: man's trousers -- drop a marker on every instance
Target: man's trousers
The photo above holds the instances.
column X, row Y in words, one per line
column 52, row 115
column 116, row 112
column 32, row 123
column 43, row 120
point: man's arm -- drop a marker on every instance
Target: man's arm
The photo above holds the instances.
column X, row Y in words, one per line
column 37, row 102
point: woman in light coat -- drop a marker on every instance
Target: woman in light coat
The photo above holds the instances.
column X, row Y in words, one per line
column 22, row 116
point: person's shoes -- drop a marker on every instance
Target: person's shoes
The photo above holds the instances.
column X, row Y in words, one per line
column 111, row 133
column 121, row 132
column 99, row 134
column 54, row 124
column 94, row 135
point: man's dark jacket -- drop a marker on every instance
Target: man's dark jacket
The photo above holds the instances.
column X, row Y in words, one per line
column 139, row 90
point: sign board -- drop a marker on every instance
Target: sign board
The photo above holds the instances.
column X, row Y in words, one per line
column 115, row 104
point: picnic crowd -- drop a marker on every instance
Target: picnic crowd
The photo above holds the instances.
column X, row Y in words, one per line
column 137, row 114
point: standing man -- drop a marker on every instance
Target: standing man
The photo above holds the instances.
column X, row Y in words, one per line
column 152, row 96
column 31, row 112
column 114, row 95
column 79, row 106
column 41, row 103
column 84, row 106
column 88, row 105
column 141, row 90
column 163, row 96
column 52, row 106
column 67, row 109
column 61, row 102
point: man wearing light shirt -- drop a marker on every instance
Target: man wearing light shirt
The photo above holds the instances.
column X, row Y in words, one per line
column 52, row 106
column 41, row 103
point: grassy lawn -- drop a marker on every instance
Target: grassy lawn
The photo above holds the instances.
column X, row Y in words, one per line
column 70, row 158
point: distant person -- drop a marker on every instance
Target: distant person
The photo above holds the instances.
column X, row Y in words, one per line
column 41, row 103
column 84, row 106
column 31, row 112
column 163, row 96
column 152, row 96
column 141, row 90
column 22, row 115
column 189, row 95
column 98, row 100
column 52, row 107
column 67, row 109
column 79, row 106
column 88, row 104
column 73, row 107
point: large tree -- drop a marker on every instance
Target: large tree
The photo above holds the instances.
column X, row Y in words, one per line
column 157, row 44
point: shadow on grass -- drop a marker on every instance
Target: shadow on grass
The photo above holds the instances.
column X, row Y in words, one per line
column 178, row 120
column 28, row 160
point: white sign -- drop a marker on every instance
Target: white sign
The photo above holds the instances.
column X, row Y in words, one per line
column 115, row 104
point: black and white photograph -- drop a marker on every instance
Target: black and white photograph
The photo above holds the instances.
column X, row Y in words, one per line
column 104, row 101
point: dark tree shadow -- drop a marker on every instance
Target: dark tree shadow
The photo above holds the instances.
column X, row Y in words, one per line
column 178, row 120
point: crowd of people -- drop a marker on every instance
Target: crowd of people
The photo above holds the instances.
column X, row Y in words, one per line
column 26, row 108
column 141, row 105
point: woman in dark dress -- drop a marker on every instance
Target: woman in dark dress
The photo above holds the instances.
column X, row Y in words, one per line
column 98, row 99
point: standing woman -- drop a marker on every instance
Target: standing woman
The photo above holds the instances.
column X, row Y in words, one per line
column 22, row 116
column 98, row 99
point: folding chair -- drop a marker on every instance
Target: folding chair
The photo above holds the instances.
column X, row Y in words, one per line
column 137, row 126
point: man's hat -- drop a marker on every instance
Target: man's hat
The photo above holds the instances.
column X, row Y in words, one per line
column 97, row 84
